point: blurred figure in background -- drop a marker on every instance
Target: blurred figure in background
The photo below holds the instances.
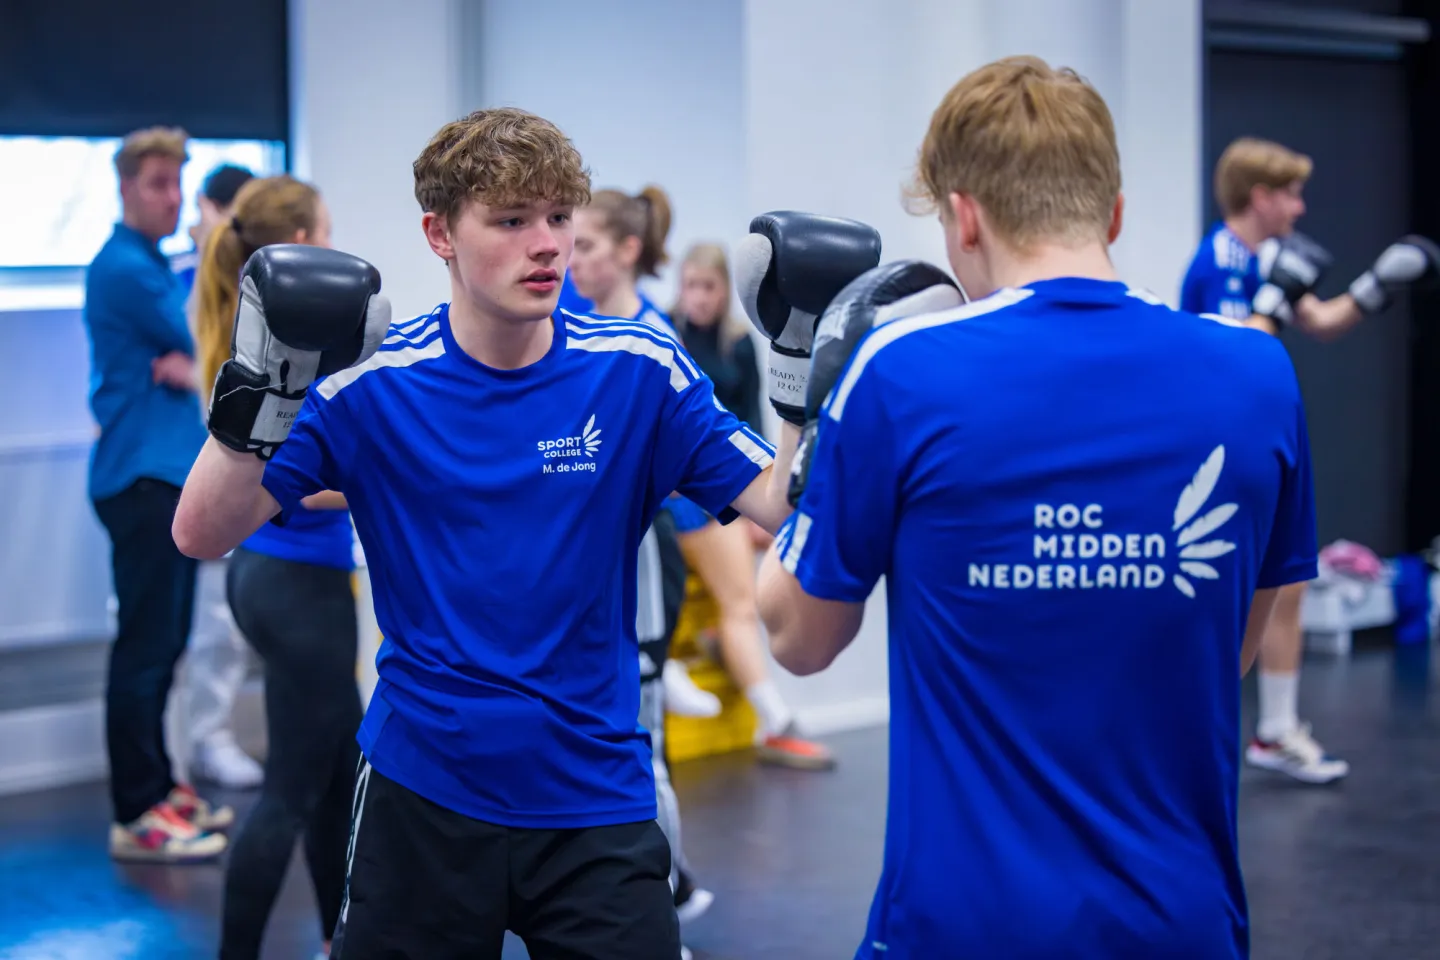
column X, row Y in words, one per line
column 289, row 589
column 723, row 557
column 143, row 400
column 216, row 195
column 715, row 338
column 217, row 658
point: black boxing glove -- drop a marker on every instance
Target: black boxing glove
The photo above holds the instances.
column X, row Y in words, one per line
column 305, row 312
column 1289, row 267
column 1407, row 262
column 906, row 288
column 787, row 270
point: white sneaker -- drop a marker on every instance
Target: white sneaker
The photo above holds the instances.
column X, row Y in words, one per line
column 682, row 697
column 219, row 760
column 1296, row 754
column 685, row 953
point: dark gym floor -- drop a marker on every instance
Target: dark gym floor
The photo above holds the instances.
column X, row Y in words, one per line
column 1347, row 871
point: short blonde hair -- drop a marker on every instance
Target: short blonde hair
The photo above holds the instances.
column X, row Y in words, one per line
column 1034, row 145
column 1250, row 162
column 503, row 158
column 169, row 142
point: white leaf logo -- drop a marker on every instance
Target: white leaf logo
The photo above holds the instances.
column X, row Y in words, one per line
column 1191, row 502
column 1193, row 497
column 590, row 437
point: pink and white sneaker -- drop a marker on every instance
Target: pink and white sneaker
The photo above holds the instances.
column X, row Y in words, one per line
column 198, row 811
column 163, row 836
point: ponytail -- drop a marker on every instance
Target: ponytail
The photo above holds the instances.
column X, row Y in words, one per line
column 217, row 284
column 657, row 227
column 645, row 216
column 267, row 210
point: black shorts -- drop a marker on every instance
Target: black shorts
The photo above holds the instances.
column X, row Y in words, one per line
column 430, row 884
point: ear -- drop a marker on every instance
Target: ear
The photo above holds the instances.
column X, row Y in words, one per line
column 1117, row 218
column 965, row 214
column 437, row 232
column 302, row 236
column 629, row 250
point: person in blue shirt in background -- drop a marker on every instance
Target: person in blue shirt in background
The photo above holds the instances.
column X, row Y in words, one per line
column 1083, row 504
column 502, row 463
column 217, row 658
column 1253, row 267
column 142, row 395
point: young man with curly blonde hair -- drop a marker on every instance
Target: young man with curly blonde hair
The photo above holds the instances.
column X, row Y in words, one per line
column 502, row 461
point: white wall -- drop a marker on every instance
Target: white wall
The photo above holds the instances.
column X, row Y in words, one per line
column 372, row 80
column 648, row 90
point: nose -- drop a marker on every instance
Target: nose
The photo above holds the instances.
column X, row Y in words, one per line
column 545, row 243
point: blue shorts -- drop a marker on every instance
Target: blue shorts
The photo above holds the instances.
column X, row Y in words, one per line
column 689, row 516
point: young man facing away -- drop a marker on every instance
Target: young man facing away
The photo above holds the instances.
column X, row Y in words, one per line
column 1253, row 268
column 502, row 466
column 142, row 396
column 1084, row 504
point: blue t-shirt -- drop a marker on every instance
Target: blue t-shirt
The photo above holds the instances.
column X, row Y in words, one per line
column 501, row 514
column 1223, row 278
column 324, row 538
column 1072, row 492
column 134, row 313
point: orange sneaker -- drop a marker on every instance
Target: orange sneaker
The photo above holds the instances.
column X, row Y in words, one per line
column 785, row 749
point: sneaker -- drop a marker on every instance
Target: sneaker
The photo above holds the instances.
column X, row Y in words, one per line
column 785, row 749
column 220, row 761
column 161, row 835
column 691, row 901
column 682, row 697
column 198, row 811
column 1298, row 755
column 685, row 953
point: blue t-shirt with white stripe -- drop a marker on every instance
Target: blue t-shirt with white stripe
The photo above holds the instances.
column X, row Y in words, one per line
column 1223, row 277
column 501, row 514
column 1073, row 492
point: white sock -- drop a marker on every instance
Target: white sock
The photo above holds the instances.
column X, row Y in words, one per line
column 770, row 706
column 1278, row 716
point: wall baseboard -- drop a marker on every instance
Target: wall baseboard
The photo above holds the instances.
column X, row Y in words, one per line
column 42, row 748
column 840, row 717
column 52, row 746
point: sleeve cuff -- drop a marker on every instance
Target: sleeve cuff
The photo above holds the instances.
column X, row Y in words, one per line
column 725, row 495
column 1296, row 571
column 276, row 489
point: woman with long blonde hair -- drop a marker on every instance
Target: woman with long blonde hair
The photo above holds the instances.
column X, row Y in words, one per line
column 289, row 589
column 723, row 557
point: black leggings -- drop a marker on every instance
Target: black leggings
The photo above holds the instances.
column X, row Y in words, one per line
column 300, row 618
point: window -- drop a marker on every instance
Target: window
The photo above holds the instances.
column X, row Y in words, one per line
column 61, row 198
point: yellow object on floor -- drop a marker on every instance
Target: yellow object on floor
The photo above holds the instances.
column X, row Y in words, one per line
column 687, row 738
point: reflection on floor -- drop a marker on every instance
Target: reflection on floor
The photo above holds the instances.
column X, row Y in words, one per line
column 1347, row 871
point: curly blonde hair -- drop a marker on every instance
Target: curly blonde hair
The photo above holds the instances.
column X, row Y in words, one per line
column 503, row 157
